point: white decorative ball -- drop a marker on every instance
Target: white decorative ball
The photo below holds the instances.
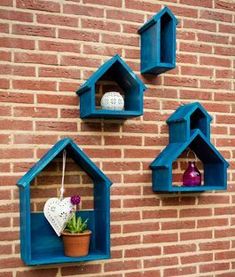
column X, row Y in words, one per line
column 112, row 100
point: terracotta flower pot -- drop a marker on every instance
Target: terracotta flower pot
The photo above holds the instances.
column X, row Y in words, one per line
column 76, row 245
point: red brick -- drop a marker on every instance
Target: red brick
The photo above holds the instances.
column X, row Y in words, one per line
column 172, row 225
column 127, row 240
column 52, row 272
column 57, row 20
column 195, row 212
column 101, row 50
column 156, row 238
column 180, row 81
column 10, row 263
column 16, row 15
column 166, row 261
column 8, row 124
column 169, row 213
column 78, row 35
column 139, row 153
column 179, row 271
column 33, row 30
column 124, row 15
column 123, row 216
column 59, row 73
column 196, row 235
column 89, row 23
column 35, row 112
column 124, row 140
column 212, row 222
column 59, row 46
column 6, row 274
column 22, row 57
column 83, row 10
column 214, row 267
column 213, row 38
column 34, row 85
column 6, row 3
column 200, row 3
column 123, row 40
column 214, row 15
column 34, row 139
column 4, row 84
column 81, row 269
column 226, row 28
column 192, row 94
column 149, row 273
column 16, row 153
column 124, row 265
column 142, row 6
column 223, row 233
column 113, row 3
column 57, row 99
column 56, row 126
column 182, row 248
column 198, row 71
column 215, row 245
column 17, row 43
column 224, row 5
column 39, row 5
column 122, row 191
column 195, row 47
column 185, row 12
column 215, row 61
column 5, row 56
column 199, row 258
column 79, row 61
column 142, row 252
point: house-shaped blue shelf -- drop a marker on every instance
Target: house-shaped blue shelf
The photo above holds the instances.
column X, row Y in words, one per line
column 158, row 43
column 189, row 127
column 133, row 89
column 39, row 243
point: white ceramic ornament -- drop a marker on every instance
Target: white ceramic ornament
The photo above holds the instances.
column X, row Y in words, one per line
column 58, row 212
column 112, row 100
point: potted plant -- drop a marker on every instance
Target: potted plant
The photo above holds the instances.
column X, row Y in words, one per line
column 76, row 236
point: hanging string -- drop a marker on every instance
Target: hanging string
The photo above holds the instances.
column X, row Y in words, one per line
column 191, row 151
column 63, row 173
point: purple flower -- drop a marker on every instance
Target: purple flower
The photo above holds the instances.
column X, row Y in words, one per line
column 75, row 199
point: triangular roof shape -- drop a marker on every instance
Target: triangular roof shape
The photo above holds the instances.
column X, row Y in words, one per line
column 156, row 17
column 184, row 112
column 104, row 68
column 203, row 148
column 75, row 153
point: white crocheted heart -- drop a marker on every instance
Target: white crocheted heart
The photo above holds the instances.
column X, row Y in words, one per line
column 58, row 212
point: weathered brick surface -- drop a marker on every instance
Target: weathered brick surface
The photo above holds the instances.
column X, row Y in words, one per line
column 47, row 50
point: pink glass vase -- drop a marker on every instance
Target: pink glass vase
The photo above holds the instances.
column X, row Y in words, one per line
column 192, row 176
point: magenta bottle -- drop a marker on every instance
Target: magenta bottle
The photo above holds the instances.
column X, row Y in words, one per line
column 192, row 176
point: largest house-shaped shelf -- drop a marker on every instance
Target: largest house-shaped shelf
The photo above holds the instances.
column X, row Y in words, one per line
column 189, row 127
column 39, row 243
column 117, row 70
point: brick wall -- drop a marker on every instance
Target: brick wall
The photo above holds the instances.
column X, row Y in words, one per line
column 47, row 49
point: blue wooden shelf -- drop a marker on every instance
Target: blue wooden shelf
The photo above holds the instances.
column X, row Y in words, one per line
column 39, row 243
column 158, row 43
column 118, row 71
column 189, row 127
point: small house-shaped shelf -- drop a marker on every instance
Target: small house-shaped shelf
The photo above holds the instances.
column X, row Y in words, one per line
column 189, row 127
column 118, row 71
column 158, row 43
column 39, row 243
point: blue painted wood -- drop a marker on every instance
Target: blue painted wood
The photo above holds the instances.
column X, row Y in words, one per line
column 158, row 43
column 39, row 243
column 189, row 127
column 127, row 80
